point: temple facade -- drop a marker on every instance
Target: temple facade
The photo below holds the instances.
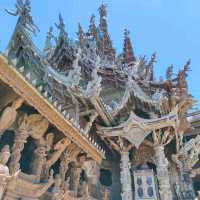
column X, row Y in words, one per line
column 78, row 121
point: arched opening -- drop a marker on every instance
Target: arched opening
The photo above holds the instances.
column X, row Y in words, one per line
column 83, row 176
column 196, row 184
column 7, row 139
column 56, row 167
column 26, row 159
column 146, row 166
column 105, row 177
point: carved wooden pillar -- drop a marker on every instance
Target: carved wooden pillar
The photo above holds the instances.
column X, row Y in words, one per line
column 162, row 173
column 20, row 139
column 123, row 147
column 187, row 190
column 57, row 190
column 125, row 176
column 65, row 160
column 185, row 159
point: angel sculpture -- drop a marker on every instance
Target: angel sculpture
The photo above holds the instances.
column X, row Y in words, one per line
column 23, row 10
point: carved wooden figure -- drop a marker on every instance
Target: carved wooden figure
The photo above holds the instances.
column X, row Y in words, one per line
column 9, row 115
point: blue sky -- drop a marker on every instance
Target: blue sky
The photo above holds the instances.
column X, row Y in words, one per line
column 169, row 27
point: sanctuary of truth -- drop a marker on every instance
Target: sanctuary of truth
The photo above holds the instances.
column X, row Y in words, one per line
column 80, row 122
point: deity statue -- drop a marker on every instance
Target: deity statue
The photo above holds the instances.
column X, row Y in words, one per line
column 23, row 10
column 9, row 115
column 5, row 176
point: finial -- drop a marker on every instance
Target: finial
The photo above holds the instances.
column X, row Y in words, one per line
column 169, row 72
column 61, row 26
column 152, row 60
column 102, row 10
column 23, row 10
column 80, row 33
column 28, row 3
column 128, row 54
column 49, row 37
column 92, row 19
column 187, row 65
column 126, row 32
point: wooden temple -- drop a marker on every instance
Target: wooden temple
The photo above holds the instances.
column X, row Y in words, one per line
column 80, row 122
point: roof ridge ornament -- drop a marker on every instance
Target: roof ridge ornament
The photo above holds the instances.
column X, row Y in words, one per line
column 81, row 34
column 169, row 72
column 94, row 86
column 74, row 75
column 150, row 67
column 61, row 27
column 128, row 54
column 48, row 48
column 23, row 9
column 92, row 27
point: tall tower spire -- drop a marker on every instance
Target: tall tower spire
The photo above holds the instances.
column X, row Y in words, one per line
column 80, row 34
column 128, row 49
column 104, row 42
column 61, row 27
column 103, row 17
column 92, row 27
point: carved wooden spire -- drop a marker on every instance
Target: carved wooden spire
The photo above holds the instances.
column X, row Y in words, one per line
column 105, row 43
column 80, row 34
column 92, row 27
column 23, row 10
column 128, row 49
column 150, row 66
column 61, row 27
column 103, row 18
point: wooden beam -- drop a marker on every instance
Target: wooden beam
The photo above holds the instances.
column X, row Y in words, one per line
column 10, row 76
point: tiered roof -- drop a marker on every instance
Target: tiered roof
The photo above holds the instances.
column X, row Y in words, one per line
column 87, row 75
